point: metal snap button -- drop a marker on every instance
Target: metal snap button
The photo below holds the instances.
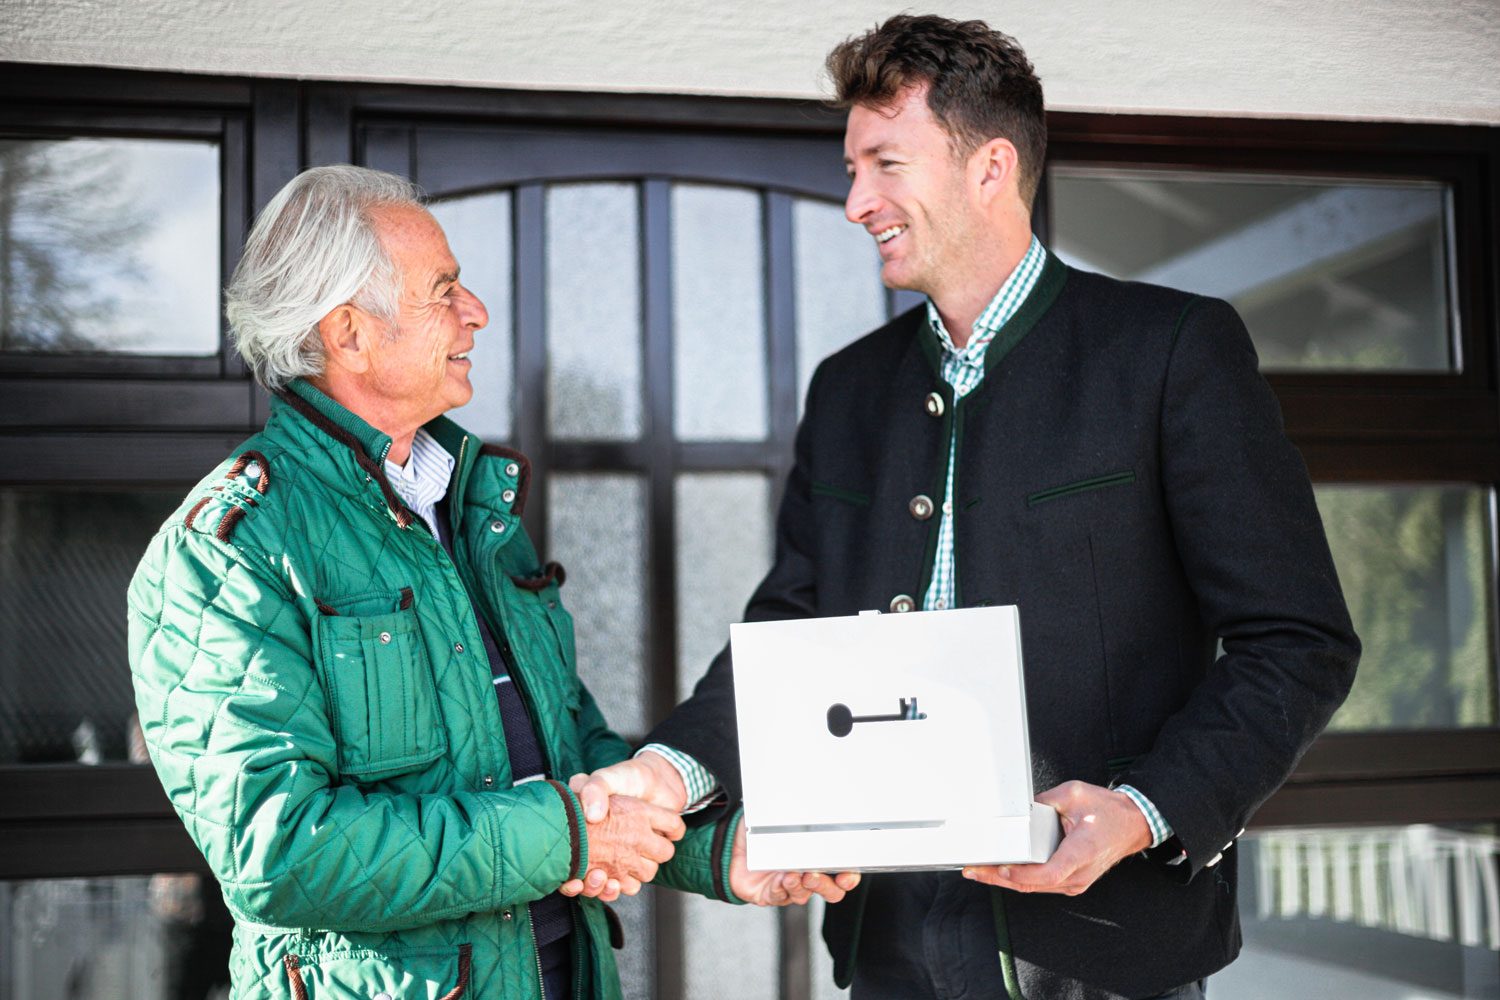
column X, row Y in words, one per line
column 920, row 506
column 508, row 496
column 902, row 603
column 458, row 647
column 382, row 996
column 489, row 781
column 505, row 915
column 385, row 638
column 934, row 404
column 252, row 471
column 512, row 469
column 497, row 526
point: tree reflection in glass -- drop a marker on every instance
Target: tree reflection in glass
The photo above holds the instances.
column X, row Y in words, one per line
column 109, row 245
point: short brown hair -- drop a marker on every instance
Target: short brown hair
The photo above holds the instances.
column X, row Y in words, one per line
column 981, row 86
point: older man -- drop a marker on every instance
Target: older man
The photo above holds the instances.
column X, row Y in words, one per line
column 355, row 677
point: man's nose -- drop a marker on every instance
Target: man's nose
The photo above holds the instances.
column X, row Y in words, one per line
column 471, row 311
column 860, row 202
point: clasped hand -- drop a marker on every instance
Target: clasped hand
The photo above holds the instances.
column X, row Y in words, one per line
column 649, row 781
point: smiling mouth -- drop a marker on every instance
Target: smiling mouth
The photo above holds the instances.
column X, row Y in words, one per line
column 886, row 235
column 459, row 357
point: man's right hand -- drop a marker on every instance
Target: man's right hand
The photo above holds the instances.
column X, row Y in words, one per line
column 648, row 777
column 626, row 845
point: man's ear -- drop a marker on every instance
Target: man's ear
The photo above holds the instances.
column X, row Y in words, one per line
column 995, row 167
column 345, row 333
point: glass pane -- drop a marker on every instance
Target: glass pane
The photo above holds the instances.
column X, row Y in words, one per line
column 718, row 311
column 479, row 234
column 597, row 529
column 732, row 951
column 637, row 960
column 1414, row 564
column 66, row 560
column 1328, row 274
column 593, row 312
column 109, row 245
column 149, row 937
column 839, row 295
column 723, row 549
column 1376, row 913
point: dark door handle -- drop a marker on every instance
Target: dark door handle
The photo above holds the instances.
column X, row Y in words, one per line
column 841, row 721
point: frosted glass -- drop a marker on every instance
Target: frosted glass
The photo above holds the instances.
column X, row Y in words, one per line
column 718, row 312
column 732, row 951
column 593, row 312
column 597, row 530
column 723, row 550
column 109, row 245
column 637, row 960
column 839, row 294
column 479, row 234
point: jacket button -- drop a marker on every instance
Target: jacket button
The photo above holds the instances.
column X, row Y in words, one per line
column 505, row 915
column 934, row 404
column 902, row 603
column 497, row 526
column 382, row 996
column 458, row 647
column 920, row 506
column 489, row 781
column 508, row 496
column 512, row 469
column 385, row 638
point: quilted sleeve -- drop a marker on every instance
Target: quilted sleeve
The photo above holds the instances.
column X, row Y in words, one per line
column 239, row 733
column 701, row 863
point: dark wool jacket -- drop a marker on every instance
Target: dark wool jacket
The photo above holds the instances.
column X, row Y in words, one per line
column 1123, row 477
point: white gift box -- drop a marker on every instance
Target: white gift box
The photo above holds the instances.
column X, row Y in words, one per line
column 887, row 742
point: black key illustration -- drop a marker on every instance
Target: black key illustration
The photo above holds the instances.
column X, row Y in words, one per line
column 841, row 721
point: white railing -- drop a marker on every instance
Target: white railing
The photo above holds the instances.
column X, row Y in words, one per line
column 1419, row 880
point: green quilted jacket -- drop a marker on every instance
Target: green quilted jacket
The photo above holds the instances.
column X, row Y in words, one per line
column 318, row 703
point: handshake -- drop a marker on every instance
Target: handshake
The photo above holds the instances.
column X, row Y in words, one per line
column 633, row 811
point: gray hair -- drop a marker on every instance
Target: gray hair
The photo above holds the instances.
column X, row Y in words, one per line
column 313, row 248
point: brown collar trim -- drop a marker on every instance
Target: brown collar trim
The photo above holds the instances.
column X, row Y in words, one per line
column 403, row 514
column 523, row 481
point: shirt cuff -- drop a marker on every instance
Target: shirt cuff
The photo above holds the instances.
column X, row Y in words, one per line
column 1160, row 831
column 702, row 787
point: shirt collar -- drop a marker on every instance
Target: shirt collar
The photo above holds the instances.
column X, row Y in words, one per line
column 1006, row 303
column 423, row 480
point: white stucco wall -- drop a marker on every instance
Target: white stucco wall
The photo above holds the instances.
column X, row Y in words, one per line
column 1424, row 60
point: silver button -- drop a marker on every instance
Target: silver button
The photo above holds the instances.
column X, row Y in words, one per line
column 458, row 647
column 385, row 638
column 934, row 404
column 902, row 603
column 504, row 914
column 508, row 496
column 252, row 471
column 497, row 526
column 947, row 506
column 512, row 469
column 382, row 996
column 920, row 506
column 489, row 781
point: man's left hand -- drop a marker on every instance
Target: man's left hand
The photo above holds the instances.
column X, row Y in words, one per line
column 782, row 888
column 1100, row 827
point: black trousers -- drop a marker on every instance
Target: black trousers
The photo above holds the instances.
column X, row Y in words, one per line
column 931, row 936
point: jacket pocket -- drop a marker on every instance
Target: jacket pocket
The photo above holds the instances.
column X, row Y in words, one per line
column 1081, row 486
column 382, row 698
column 440, row 973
